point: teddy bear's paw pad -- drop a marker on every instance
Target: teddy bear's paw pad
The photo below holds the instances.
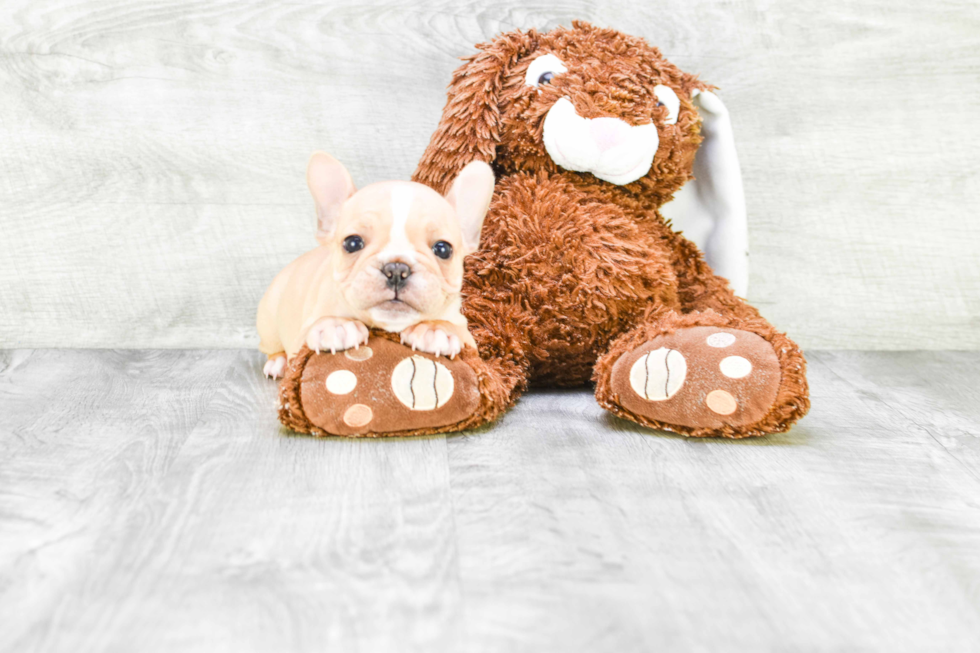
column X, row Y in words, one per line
column 699, row 377
column 384, row 388
column 421, row 383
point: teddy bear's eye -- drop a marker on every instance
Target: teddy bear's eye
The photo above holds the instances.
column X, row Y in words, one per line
column 667, row 97
column 353, row 244
column 543, row 69
column 442, row 249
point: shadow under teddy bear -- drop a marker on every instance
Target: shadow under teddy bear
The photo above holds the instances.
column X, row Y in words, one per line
column 579, row 276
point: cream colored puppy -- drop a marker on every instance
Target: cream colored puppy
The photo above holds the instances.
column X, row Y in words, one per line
column 390, row 257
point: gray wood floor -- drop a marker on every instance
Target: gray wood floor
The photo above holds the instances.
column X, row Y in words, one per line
column 149, row 501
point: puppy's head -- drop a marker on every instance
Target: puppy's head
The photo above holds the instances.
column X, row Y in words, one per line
column 397, row 247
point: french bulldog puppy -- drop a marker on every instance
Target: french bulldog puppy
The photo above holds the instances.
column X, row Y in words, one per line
column 390, row 257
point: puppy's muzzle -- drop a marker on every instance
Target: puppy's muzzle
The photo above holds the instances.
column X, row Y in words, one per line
column 396, row 275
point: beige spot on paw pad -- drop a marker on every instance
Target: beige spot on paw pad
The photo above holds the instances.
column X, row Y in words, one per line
column 360, row 354
column 735, row 367
column 341, row 382
column 721, row 402
column 720, row 339
column 421, row 383
column 659, row 374
column 358, row 415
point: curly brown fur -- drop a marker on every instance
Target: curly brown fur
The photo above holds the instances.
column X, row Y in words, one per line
column 573, row 270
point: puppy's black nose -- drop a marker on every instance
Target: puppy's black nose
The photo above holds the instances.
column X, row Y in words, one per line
column 396, row 275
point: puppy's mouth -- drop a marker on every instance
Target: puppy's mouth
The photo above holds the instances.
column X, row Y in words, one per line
column 609, row 148
column 396, row 305
column 393, row 315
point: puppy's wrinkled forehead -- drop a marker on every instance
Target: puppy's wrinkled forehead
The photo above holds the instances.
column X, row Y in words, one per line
column 398, row 215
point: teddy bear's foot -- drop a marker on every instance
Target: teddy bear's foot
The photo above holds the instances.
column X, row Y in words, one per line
column 699, row 380
column 381, row 388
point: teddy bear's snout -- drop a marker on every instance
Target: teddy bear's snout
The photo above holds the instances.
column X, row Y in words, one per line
column 609, row 148
column 609, row 132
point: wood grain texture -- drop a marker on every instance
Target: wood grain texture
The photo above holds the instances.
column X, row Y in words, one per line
column 149, row 501
column 152, row 153
column 155, row 504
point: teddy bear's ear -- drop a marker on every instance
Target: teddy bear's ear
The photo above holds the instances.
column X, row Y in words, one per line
column 470, row 126
column 710, row 209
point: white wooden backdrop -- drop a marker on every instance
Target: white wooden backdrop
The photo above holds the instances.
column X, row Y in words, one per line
column 152, row 153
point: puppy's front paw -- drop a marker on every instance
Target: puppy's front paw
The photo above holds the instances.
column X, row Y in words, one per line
column 275, row 366
column 433, row 338
column 335, row 334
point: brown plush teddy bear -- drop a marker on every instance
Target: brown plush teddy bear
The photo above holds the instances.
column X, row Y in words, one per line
column 579, row 276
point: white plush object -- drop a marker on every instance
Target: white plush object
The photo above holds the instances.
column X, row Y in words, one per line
column 710, row 209
column 609, row 148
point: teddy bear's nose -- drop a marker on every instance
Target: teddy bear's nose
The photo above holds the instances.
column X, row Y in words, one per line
column 608, row 132
column 396, row 275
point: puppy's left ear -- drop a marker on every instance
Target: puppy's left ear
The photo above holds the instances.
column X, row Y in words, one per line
column 470, row 196
column 331, row 185
column 710, row 209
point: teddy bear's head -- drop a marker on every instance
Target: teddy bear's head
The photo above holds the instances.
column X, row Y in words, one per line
column 587, row 100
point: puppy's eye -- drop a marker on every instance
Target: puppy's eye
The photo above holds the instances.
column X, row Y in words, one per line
column 543, row 69
column 353, row 244
column 442, row 249
column 667, row 97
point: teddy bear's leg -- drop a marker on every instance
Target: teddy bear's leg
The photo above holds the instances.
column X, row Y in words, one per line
column 704, row 374
column 386, row 388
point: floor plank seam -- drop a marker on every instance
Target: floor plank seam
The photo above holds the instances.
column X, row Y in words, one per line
column 912, row 419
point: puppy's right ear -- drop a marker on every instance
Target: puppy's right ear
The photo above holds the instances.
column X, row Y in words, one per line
column 470, row 196
column 330, row 185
